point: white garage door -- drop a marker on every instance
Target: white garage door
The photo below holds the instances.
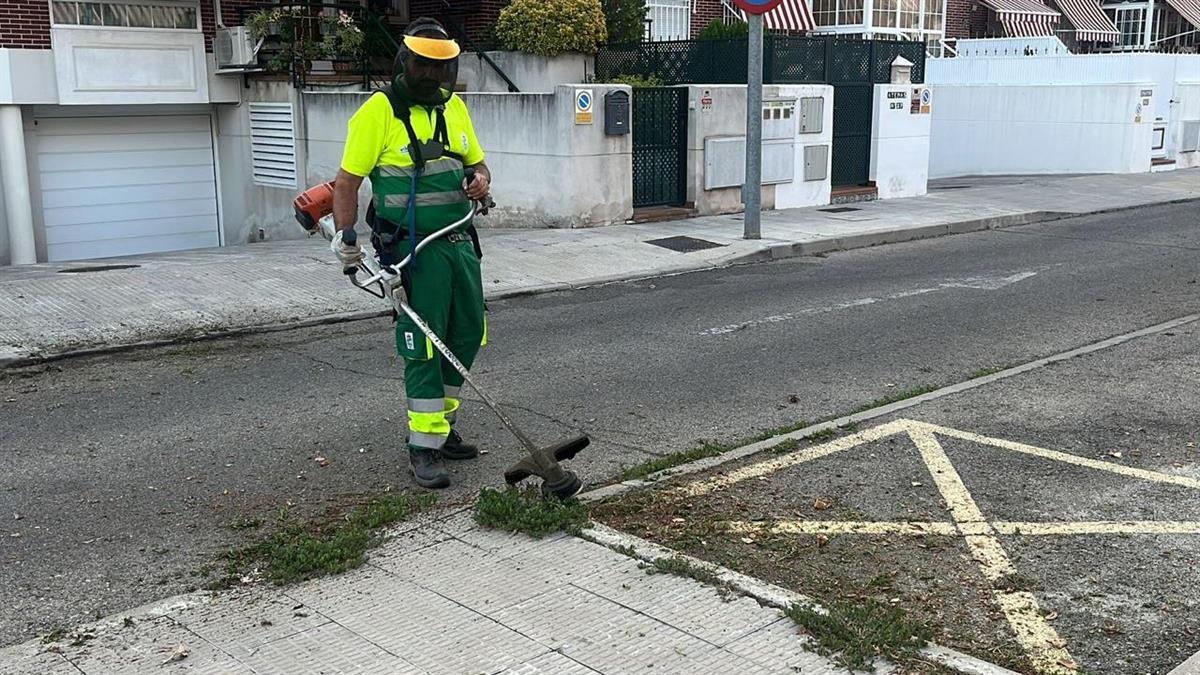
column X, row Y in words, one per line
column 116, row 186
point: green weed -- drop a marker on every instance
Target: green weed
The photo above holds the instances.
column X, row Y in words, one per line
column 529, row 511
column 854, row 634
column 298, row 552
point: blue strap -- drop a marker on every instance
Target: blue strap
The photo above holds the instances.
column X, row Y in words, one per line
column 412, row 217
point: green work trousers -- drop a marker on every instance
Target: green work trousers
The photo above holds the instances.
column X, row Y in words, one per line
column 446, row 291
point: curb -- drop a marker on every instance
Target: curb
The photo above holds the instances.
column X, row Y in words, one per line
column 766, row 593
column 767, row 254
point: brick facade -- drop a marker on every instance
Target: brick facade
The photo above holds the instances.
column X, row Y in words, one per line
column 965, row 19
column 479, row 16
column 229, row 14
column 25, row 24
column 705, row 12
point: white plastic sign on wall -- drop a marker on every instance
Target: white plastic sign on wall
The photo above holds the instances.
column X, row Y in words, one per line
column 584, row 103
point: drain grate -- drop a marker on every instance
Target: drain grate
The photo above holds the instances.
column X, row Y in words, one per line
column 684, row 244
column 949, row 187
column 840, row 209
column 97, row 268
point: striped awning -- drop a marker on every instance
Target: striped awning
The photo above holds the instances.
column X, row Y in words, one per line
column 1090, row 22
column 1188, row 9
column 1024, row 18
column 789, row 15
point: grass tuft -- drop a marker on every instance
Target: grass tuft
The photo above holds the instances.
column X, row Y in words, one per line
column 656, row 464
column 896, row 398
column 984, row 372
column 299, row 552
column 529, row 511
column 854, row 634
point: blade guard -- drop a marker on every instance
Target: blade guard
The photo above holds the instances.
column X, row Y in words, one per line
column 561, row 451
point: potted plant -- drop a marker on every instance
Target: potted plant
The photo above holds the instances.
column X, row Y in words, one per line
column 342, row 40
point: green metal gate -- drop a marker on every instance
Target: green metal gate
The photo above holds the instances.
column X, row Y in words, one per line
column 852, row 66
column 848, row 69
column 659, row 146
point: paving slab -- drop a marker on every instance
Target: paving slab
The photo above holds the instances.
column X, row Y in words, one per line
column 445, row 596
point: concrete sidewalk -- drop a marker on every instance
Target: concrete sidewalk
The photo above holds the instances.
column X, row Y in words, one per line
column 51, row 310
column 444, row 596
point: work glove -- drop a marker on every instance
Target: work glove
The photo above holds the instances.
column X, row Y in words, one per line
column 348, row 254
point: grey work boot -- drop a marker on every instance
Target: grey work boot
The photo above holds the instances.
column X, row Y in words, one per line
column 455, row 448
column 427, row 468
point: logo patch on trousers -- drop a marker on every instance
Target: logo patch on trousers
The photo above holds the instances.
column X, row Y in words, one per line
column 409, row 342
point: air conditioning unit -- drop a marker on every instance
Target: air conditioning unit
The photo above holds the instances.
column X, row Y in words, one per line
column 234, row 47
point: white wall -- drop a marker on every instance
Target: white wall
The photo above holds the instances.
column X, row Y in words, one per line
column 530, row 72
column 1188, row 97
column 725, row 117
column 799, row 192
column 547, row 170
column 1037, row 129
column 27, row 76
column 1162, row 70
column 97, row 65
column 247, row 208
column 900, row 139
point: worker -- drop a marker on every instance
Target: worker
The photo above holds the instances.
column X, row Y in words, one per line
column 416, row 142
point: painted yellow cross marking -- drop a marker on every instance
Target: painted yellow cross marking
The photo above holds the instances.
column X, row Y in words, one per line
column 1041, row 642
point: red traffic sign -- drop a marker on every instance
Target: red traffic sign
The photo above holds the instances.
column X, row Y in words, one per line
column 757, row 6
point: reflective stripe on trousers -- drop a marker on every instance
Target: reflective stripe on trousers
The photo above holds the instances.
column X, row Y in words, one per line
column 429, row 421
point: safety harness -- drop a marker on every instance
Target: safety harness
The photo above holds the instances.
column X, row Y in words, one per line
column 385, row 233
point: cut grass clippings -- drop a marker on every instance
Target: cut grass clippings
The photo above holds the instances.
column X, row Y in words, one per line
column 529, row 511
column 855, row 633
column 297, row 552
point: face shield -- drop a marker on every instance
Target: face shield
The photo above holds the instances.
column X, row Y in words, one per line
column 426, row 70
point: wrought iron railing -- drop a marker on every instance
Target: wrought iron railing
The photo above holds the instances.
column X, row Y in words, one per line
column 301, row 36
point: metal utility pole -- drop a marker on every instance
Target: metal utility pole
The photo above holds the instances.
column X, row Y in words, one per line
column 752, row 186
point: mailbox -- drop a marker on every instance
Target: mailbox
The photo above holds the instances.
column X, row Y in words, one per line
column 616, row 113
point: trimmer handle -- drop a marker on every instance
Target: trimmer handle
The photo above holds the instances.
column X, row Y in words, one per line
column 349, row 237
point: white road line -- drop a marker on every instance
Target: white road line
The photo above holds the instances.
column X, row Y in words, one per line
column 1041, row 642
column 983, row 283
column 1055, row 455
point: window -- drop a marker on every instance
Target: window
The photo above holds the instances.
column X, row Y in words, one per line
column 669, row 19
column 163, row 15
column 1131, row 24
column 1172, row 29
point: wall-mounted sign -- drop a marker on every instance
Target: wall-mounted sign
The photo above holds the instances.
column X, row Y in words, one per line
column 583, row 106
column 706, row 101
column 921, row 102
column 757, row 6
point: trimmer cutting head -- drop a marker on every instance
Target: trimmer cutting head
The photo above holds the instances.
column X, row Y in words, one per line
column 556, row 481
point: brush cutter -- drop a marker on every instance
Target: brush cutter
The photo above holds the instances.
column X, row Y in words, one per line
column 314, row 211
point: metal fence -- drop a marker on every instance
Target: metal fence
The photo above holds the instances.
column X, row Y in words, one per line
column 786, row 60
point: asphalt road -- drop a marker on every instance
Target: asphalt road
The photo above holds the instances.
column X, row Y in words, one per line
column 122, row 474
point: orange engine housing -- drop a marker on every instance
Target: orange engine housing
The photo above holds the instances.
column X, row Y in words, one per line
column 313, row 204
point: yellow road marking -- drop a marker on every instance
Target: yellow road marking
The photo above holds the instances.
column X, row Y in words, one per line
column 1144, row 474
column 1021, row 609
column 840, row 527
column 1041, row 642
column 798, row 457
column 1101, row 527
